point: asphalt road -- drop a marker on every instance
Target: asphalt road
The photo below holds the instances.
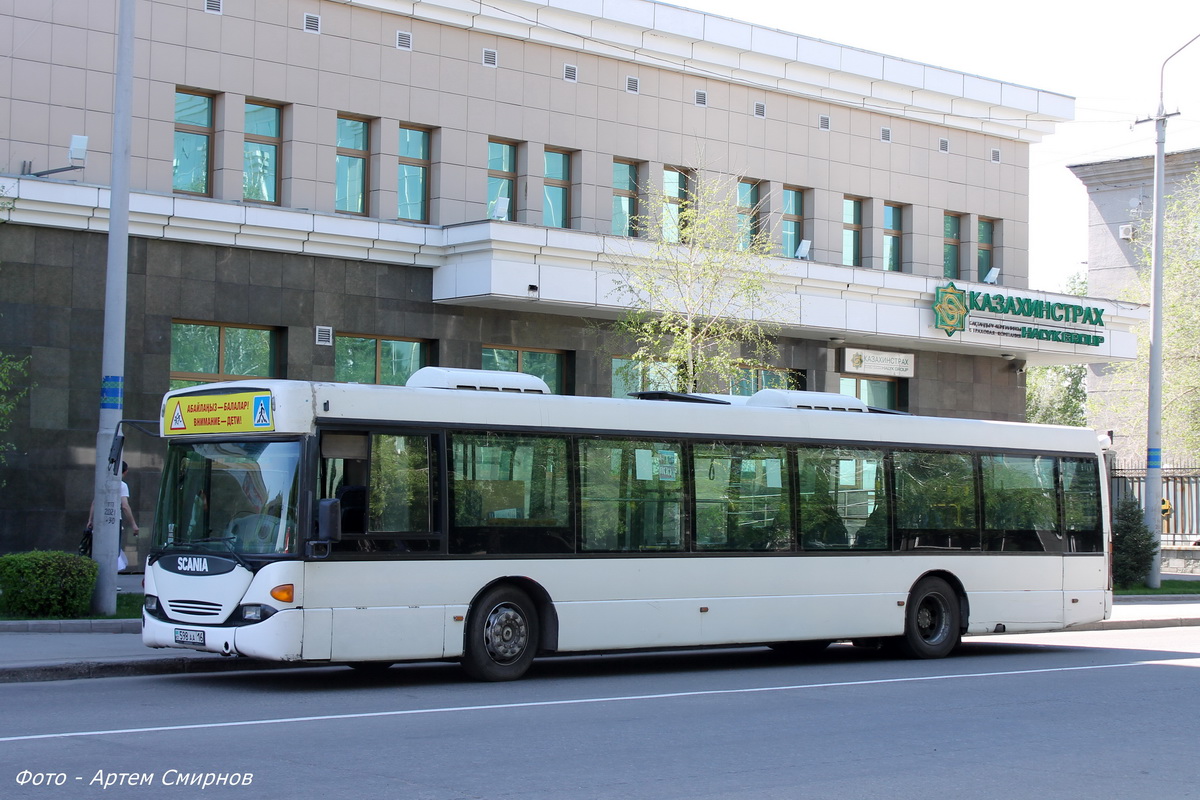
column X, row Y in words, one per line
column 1101, row 714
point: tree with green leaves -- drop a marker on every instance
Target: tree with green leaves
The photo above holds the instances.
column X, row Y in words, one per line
column 1181, row 324
column 1134, row 548
column 695, row 282
column 1057, row 394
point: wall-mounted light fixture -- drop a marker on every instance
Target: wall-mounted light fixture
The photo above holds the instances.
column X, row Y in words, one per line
column 76, row 152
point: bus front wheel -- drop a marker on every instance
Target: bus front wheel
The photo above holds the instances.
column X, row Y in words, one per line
column 502, row 635
column 932, row 624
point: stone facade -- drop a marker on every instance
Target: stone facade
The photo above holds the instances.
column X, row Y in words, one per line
column 650, row 83
column 52, row 311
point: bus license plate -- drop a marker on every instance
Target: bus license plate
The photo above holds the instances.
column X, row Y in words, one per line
column 185, row 636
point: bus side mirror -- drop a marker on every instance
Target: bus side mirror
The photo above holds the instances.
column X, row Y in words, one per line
column 329, row 520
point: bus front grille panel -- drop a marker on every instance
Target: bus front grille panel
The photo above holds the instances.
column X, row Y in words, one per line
column 195, row 608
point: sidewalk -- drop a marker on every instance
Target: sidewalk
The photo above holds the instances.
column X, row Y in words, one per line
column 69, row 649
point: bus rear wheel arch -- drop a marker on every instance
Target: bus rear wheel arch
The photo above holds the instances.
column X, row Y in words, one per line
column 502, row 634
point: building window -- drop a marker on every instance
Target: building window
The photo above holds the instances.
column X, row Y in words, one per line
column 260, row 154
column 629, row 376
column 502, row 180
column 747, row 213
column 893, row 233
column 951, row 244
column 753, row 379
column 193, row 143
column 675, row 193
column 556, row 191
column 353, row 143
column 875, row 392
column 376, row 359
column 625, row 199
column 987, row 234
column 204, row 352
column 549, row 365
column 793, row 222
column 413, row 176
column 852, row 232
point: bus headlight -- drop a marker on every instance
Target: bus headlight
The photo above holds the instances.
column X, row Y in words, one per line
column 151, row 604
column 256, row 613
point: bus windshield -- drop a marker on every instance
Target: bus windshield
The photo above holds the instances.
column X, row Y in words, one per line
column 232, row 497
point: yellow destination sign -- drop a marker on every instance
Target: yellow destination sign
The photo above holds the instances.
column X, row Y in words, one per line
column 218, row 413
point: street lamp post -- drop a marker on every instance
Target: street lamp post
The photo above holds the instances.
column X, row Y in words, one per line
column 106, row 501
column 1153, row 496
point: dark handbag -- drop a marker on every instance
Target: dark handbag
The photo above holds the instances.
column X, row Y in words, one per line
column 85, row 543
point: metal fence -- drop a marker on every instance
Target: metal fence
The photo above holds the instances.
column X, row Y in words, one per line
column 1181, row 491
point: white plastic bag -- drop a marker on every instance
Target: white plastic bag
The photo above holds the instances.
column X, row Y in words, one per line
column 122, row 561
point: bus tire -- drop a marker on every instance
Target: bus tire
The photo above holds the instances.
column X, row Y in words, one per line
column 502, row 635
column 932, row 624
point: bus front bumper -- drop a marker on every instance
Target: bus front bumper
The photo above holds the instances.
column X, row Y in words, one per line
column 277, row 638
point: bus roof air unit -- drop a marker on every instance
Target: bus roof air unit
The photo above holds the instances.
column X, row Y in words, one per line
column 480, row 380
column 814, row 401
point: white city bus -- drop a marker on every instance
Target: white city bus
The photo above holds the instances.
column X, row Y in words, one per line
column 473, row 516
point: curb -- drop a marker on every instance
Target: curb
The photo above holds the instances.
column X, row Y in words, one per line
column 1134, row 624
column 71, row 626
column 1156, row 598
column 127, row 669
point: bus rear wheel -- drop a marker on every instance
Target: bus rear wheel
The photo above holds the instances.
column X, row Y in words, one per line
column 932, row 623
column 502, row 635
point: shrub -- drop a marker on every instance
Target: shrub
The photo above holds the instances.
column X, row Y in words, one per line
column 46, row 583
column 1134, row 548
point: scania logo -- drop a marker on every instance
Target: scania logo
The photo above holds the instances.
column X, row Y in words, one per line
column 191, row 564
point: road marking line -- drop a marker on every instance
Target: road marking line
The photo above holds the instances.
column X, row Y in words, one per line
column 593, row 700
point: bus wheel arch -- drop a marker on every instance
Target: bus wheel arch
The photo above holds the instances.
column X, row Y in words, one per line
column 508, row 622
column 935, row 616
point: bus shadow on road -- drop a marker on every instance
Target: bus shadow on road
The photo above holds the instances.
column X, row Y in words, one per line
column 658, row 663
column 999, row 651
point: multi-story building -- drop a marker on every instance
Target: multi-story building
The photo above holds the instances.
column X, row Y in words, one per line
column 1120, row 231
column 348, row 190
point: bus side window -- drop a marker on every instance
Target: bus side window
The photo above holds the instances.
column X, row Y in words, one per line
column 401, row 498
column 935, row 501
column 632, row 495
column 741, row 497
column 343, row 476
column 1081, row 505
column 1020, row 503
column 400, row 484
column 842, row 502
column 510, row 494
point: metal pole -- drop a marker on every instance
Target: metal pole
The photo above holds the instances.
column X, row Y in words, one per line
column 1153, row 499
column 106, row 517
